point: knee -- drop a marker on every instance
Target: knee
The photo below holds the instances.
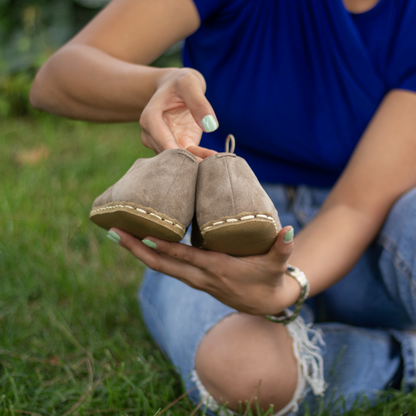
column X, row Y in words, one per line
column 245, row 358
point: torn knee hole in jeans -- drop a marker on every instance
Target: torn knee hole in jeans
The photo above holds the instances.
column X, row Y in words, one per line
column 306, row 348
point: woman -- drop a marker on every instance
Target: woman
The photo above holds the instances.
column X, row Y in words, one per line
column 321, row 97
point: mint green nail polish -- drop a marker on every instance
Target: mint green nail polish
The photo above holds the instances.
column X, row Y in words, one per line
column 209, row 124
column 288, row 237
column 149, row 243
column 111, row 238
column 114, row 235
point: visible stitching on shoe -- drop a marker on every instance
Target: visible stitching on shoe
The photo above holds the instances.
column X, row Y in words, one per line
column 94, row 211
column 245, row 218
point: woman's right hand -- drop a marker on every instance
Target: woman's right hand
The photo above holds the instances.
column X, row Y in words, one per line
column 178, row 113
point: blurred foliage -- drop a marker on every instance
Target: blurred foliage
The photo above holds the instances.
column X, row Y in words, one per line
column 30, row 31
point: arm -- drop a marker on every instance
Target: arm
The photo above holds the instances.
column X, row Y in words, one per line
column 381, row 169
column 100, row 74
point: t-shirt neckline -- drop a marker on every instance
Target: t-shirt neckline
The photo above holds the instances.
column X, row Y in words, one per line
column 366, row 13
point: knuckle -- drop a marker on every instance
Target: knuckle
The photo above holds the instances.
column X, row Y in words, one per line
column 127, row 245
column 198, row 105
column 180, row 252
column 185, row 77
column 152, row 264
column 188, row 80
column 187, row 257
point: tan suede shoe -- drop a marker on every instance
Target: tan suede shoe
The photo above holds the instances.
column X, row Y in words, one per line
column 234, row 214
column 156, row 197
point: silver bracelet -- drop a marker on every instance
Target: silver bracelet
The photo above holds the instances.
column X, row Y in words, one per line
column 288, row 316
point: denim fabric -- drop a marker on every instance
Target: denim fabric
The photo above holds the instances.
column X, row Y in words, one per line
column 374, row 308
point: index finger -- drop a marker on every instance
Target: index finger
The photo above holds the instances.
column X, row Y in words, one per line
column 154, row 128
column 169, row 264
column 196, row 257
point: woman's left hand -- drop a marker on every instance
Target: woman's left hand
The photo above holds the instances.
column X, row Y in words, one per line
column 256, row 285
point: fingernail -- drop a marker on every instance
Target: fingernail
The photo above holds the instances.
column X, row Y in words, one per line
column 209, row 123
column 149, row 243
column 288, row 237
column 114, row 237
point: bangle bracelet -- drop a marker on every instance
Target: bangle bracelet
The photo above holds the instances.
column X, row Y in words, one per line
column 287, row 315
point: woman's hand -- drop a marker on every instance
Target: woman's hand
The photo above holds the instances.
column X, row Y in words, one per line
column 177, row 114
column 256, row 285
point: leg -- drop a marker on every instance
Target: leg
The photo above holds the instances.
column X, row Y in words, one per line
column 179, row 317
column 235, row 358
column 358, row 363
column 233, row 352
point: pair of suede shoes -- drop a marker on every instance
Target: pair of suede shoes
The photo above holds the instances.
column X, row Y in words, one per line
column 160, row 196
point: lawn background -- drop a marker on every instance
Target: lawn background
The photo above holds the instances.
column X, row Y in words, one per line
column 71, row 337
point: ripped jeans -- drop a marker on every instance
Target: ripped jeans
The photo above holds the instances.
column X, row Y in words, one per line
column 359, row 329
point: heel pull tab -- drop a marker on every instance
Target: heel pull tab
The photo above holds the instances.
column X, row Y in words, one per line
column 230, row 140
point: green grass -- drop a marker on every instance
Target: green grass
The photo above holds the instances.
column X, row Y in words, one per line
column 70, row 328
column 71, row 337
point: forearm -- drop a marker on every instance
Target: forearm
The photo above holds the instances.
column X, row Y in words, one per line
column 83, row 82
column 332, row 243
column 379, row 172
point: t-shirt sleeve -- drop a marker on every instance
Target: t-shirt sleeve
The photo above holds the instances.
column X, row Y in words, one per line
column 209, row 8
column 401, row 69
column 206, row 8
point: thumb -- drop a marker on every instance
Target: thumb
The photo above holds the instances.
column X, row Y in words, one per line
column 283, row 246
column 192, row 90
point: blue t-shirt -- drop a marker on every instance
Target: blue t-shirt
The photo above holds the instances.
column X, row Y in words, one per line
column 297, row 81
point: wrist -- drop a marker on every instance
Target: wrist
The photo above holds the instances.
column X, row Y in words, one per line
column 289, row 291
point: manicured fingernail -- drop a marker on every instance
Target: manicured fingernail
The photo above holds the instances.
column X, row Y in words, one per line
column 114, row 237
column 149, row 243
column 288, row 237
column 209, row 123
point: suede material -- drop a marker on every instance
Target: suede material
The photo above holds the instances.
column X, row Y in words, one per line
column 166, row 183
column 226, row 187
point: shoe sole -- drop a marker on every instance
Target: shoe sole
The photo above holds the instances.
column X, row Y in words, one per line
column 137, row 220
column 246, row 234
